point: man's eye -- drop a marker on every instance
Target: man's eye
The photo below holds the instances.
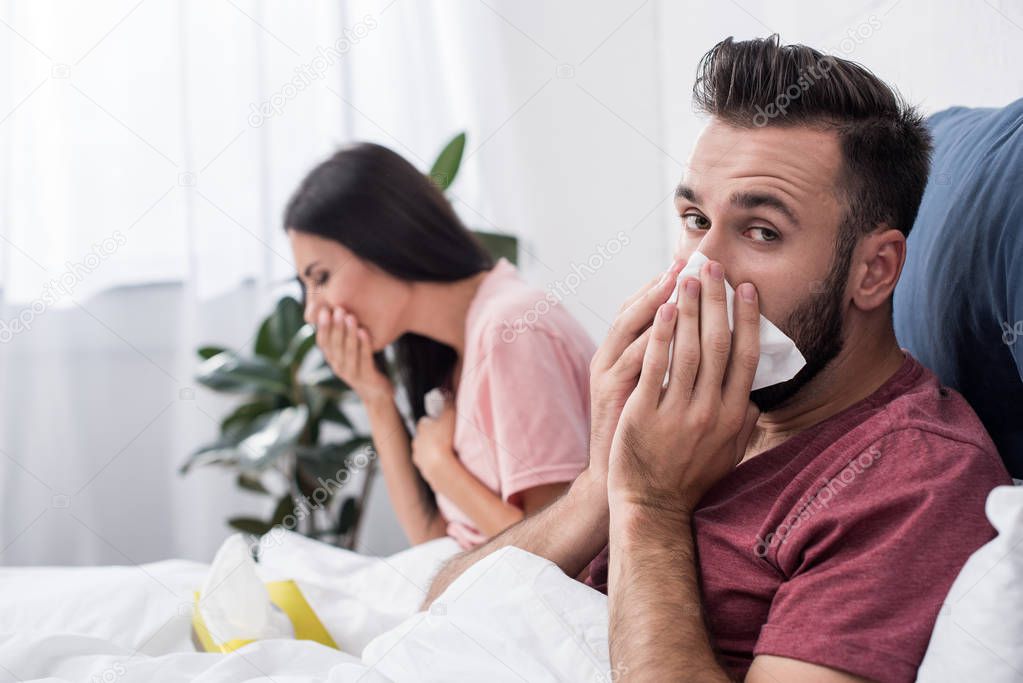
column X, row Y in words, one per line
column 694, row 221
column 766, row 234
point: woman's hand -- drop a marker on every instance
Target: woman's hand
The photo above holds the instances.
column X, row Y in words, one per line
column 349, row 352
column 616, row 365
column 433, row 446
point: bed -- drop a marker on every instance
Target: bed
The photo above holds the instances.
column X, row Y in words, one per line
column 512, row 616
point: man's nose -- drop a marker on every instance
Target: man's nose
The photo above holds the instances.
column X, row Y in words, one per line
column 713, row 246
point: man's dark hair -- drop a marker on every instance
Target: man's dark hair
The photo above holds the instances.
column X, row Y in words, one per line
column 886, row 148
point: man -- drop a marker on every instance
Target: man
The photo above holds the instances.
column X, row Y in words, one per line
column 807, row 531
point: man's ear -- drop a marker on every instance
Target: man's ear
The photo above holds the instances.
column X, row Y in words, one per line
column 877, row 264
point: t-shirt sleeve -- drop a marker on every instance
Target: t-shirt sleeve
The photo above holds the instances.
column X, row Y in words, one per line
column 868, row 574
column 538, row 395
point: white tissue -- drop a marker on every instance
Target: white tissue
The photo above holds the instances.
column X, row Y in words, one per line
column 780, row 360
column 434, row 402
column 233, row 601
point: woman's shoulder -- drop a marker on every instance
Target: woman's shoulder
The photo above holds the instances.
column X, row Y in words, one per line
column 509, row 308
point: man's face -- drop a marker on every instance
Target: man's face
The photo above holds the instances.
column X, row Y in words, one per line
column 764, row 203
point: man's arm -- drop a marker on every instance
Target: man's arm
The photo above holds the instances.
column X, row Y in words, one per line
column 656, row 615
column 569, row 532
column 660, row 634
column 671, row 446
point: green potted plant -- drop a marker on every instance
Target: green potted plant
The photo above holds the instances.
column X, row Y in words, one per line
column 274, row 435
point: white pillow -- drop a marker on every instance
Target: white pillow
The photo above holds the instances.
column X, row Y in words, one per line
column 978, row 635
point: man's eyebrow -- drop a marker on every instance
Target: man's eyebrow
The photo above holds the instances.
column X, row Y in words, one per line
column 687, row 193
column 309, row 269
column 752, row 200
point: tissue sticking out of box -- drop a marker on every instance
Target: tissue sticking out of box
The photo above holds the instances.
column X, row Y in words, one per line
column 234, row 604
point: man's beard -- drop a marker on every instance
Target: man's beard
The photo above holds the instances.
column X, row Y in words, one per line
column 817, row 328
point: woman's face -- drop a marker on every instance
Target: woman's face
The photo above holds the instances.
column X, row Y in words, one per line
column 334, row 277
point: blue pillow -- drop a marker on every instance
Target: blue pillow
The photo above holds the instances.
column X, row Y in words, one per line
column 964, row 318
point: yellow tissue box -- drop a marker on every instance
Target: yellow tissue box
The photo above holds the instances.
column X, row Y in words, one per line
column 287, row 596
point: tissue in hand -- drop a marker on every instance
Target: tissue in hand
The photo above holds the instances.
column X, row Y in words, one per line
column 234, row 604
column 780, row 360
column 434, row 402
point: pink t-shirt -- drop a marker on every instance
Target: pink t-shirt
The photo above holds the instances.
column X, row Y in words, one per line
column 838, row 546
column 523, row 396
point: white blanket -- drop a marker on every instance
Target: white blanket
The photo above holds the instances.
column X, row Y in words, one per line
column 512, row 616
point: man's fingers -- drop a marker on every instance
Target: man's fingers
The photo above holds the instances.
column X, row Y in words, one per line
column 636, row 317
column 715, row 334
column 745, row 355
column 685, row 358
column 630, row 362
column 655, row 360
column 673, row 269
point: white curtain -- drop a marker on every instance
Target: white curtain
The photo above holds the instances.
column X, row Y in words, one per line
column 147, row 148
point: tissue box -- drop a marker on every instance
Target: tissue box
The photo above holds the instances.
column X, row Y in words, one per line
column 289, row 599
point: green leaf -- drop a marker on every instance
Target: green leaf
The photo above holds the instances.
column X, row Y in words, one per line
column 229, row 372
column 251, row 482
column 266, row 345
column 324, row 378
column 334, row 452
column 278, row 328
column 316, row 399
column 249, row 525
column 274, row 434
column 332, row 413
column 499, row 245
column 221, row 452
column 327, row 461
column 206, row 352
column 286, row 321
column 244, row 415
column 348, row 516
column 285, row 507
column 299, row 346
column 445, row 168
column 226, row 450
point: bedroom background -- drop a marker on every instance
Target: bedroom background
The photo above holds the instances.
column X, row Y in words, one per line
column 148, row 147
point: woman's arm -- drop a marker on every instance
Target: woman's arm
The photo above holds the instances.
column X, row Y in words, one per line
column 434, row 454
column 349, row 351
column 416, row 512
column 487, row 510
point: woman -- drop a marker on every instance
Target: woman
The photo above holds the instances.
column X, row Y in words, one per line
column 384, row 261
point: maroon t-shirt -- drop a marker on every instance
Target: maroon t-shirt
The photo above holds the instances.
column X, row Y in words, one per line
column 838, row 546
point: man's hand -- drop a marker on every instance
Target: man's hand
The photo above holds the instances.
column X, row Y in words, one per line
column 673, row 444
column 615, row 367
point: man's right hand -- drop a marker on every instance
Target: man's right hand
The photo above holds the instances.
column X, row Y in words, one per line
column 614, row 370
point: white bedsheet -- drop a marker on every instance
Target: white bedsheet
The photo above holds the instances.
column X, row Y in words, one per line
column 513, row 616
